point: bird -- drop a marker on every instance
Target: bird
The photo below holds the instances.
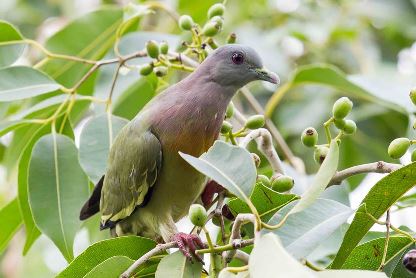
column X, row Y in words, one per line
column 148, row 186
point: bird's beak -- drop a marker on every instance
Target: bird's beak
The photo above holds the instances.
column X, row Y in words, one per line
column 266, row 75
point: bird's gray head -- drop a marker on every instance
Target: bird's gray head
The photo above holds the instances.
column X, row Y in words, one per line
column 236, row 65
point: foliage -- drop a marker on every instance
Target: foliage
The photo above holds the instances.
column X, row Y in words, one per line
column 65, row 96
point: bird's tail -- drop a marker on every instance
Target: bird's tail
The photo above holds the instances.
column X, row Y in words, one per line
column 92, row 205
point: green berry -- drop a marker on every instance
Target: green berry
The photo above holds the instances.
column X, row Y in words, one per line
column 226, row 127
column 413, row 95
column 282, row 183
column 231, row 38
column 230, row 110
column 398, row 147
column 256, row 159
column 152, row 49
column 186, row 22
column 216, row 10
column 350, row 127
column 218, row 19
column 342, row 107
column 164, row 47
column 211, row 29
column 255, row 121
column 309, row 137
column 414, row 156
column 264, row 180
column 339, row 123
column 198, row 215
column 320, row 153
column 146, row 69
column 160, row 71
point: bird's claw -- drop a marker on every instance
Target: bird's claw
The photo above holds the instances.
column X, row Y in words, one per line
column 188, row 244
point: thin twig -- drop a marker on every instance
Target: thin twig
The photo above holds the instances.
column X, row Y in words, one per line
column 265, row 145
column 386, row 244
column 375, row 167
column 242, row 256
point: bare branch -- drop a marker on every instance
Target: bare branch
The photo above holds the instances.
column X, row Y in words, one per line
column 375, row 167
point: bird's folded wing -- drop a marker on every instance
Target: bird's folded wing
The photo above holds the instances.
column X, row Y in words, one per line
column 133, row 169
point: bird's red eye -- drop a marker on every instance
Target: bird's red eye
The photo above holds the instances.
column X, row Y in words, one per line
column 237, row 58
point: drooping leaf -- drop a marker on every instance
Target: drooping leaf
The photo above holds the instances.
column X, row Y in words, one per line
column 266, row 201
column 95, row 144
column 350, row 273
column 231, row 166
column 57, row 188
column 132, row 247
column 177, row 265
column 22, row 82
column 369, row 255
column 11, row 52
column 10, row 223
column 320, row 180
column 111, row 268
column 380, row 198
column 305, row 230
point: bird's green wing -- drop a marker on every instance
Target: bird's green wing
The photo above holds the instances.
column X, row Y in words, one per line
column 134, row 164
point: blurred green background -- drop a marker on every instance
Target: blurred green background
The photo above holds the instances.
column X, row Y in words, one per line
column 372, row 41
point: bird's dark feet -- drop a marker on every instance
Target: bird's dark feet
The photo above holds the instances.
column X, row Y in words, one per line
column 188, row 244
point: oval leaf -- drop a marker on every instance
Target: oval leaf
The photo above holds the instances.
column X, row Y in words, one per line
column 178, row 266
column 350, row 273
column 231, row 166
column 24, row 82
column 110, row 268
column 132, row 247
column 11, row 221
column 95, row 144
column 57, row 188
column 11, row 52
column 380, row 198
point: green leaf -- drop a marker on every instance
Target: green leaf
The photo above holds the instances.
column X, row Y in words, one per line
column 320, row 180
column 380, row 198
column 11, row 52
column 350, row 273
column 369, row 255
column 306, row 230
column 110, row 268
column 24, row 82
column 231, row 166
column 266, row 201
column 57, row 188
column 95, row 144
column 132, row 247
column 269, row 259
column 131, row 16
column 89, row 36
column 395, row 268
column 178, row 266
column 7, row 126
column 10, row 223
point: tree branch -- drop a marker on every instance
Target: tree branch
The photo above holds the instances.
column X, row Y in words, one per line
column 375, row 167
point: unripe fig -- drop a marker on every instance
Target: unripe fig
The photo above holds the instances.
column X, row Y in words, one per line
column 350, row 127
column 226, row 127
column 413, row 95
column 342, row 107
column 256, row 159
column 413, row 156
column 146, row 69
column 152, row 49
column 211, row 29
column 255, row 121
column 212, row 43
column 264, row 180
column 320, row 153
column 398, row 147
column 216, row 9
column 231, row 38
column 164, row 47
column 309, row 137
column 198, row 215
column 160, row 71
column 339, row 123
column 219, row 20
column 230, row 110
column 282, row 183
column 409, row 261
column 186, row 22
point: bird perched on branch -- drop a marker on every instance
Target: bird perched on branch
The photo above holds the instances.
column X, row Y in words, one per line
column 147, row 186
